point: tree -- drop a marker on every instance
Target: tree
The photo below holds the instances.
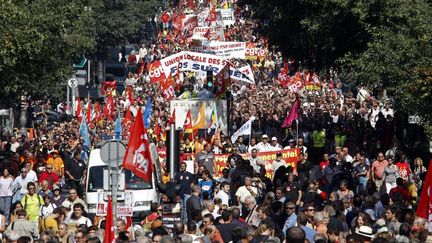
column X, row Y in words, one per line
column 122, row 21
column 382, row 44
column 38, row 42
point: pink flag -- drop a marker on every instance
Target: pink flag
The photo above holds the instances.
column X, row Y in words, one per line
column 293, row 114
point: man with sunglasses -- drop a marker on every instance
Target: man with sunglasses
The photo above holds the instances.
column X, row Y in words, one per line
column 31, row 202
column 292, row 216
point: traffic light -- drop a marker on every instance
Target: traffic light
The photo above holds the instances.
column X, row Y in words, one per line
column 209, row 85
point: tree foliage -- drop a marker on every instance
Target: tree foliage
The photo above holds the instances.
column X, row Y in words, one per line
column 38, row 41
column 122, row 21
column 41, row 39
column 382, row 44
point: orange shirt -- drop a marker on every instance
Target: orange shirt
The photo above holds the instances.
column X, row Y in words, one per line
column 57, row 165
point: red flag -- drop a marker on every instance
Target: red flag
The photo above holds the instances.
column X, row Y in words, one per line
column 109, row 107
column 172, row 118
column 293, row 114
column 315, row 79
column 129, row 92
column 137, row 158
column 424, row 208
column 222, row 80
column 141, row 68
column 167, row 88
column 187, row 127
column 108, row 86
column 212, row 15
column 191, row 4
column 207, row 34
column 78, row 111
column 88, row 113
column 109, row 224
column 127, row 122
column 97, row 113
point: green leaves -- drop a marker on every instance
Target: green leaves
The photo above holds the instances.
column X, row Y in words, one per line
column 382, row 44
column 41, row 39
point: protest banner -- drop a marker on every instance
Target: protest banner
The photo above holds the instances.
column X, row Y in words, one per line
column 209, row 33
column 290, row 156
column 223, row 49
column 227, row 16
column 198, row 62
column 254, row 52
column 183, row 106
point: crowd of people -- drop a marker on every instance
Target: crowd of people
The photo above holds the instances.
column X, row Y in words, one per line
column 351, row 183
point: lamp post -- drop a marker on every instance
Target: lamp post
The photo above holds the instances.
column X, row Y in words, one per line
column 23, row 114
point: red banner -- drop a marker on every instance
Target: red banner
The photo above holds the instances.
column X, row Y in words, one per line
column 289, row 155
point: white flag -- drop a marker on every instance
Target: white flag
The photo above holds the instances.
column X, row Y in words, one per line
column 246, row 129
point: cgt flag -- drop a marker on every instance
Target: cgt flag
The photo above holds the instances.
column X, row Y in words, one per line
column 137, row 158
column 424, row 208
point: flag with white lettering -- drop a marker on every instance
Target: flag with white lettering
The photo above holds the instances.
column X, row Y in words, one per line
column 137, row 158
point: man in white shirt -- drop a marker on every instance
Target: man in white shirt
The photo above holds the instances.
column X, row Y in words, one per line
column 30, row 173
column 246, row 190
column 275, row 145
column 224, row 193
column 20, row 185
column 255, row 161
column 345, row 153
column 277, row 163
column 264, row 146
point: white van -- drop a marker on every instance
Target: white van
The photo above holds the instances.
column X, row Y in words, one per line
column 143, row 193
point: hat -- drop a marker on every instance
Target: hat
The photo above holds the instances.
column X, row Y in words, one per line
column 264, row 136
column 278, row 154
column 365, row 231
column 382, row 229
column 291, row 141
column 380, row 222
column 67, row 204
column 274, row 139
column 55, row 187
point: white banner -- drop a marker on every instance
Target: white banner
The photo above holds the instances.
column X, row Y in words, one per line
column 224, row 49
column 209, row 33
column 201, row 62
column 183, row 106
column 227, row 16
column 244, row 130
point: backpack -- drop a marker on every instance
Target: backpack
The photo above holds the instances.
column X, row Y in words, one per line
column 40, row 201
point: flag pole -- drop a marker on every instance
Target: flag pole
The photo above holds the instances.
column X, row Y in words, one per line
column 297, row 133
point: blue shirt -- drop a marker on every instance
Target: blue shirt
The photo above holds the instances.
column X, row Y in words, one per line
column 310, row 233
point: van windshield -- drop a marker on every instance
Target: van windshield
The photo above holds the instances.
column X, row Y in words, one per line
column 133, row 182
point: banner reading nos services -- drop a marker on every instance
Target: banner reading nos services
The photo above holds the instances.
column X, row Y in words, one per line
column 289, row 155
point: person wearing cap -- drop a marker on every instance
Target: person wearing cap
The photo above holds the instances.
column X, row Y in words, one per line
column 275, row 146
column 264, row 146
column 57, row 163
column 291, row 144
column 57, row 198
